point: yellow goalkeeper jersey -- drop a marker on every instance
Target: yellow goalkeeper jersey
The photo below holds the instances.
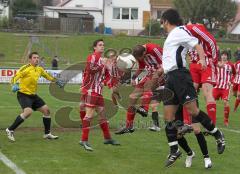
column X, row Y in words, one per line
column 28, row 76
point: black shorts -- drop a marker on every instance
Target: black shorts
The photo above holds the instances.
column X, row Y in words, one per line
column 30, row 101
column 180, row 82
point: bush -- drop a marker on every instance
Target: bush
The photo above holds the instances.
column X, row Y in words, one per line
column 221, row 33
column 155, row 28
column 4, row 22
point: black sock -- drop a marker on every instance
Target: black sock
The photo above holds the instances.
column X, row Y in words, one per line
column 202, row 144
column 16, row 123
column 171, row 133
column 155, row 118
column 47, row 124
column 203, row 118
column 184, row 145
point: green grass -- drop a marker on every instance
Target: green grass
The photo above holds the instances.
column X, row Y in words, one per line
column 72, row 49
column 140, row 152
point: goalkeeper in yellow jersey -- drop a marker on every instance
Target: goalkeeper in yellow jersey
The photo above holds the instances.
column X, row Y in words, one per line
column 28, row 76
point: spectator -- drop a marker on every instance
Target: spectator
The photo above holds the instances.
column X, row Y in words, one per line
column 55, row 63
column 42, row 62
column 237, row 54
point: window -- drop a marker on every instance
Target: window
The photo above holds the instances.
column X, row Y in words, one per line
column 159, row 14
column 134, row 13
column 116, row 13
column 125, row 13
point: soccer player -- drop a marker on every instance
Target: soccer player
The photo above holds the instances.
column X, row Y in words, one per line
column 28, row 76
column 179, row 80
column 236, row 85
column 204, row 78
column 92, row 98
column 149, row 58
column 225, row 72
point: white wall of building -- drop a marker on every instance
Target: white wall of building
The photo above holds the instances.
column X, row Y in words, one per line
column 4, row 11
column 126, row 24
column 236, row 30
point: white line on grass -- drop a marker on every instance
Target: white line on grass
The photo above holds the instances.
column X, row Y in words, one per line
column 231, row 130
column 10, row 164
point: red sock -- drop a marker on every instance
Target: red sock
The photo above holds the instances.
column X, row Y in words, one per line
column 146, row 99
column 186, row 117
column 226, row 113
column 236, row 104
column 130, row 117
column 85, row 128
column 211, row 110
column 82, row 114
column 105, row 129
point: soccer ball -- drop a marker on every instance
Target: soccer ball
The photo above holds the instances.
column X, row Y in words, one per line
column 125, row 61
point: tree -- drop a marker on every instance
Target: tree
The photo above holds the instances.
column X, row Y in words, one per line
column 23, row 5
column 222, row 11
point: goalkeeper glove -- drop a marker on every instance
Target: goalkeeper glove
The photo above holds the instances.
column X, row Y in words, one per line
column 15, row 88
column 60, row 83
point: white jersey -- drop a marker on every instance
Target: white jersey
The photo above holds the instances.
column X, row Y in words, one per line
column 175, row 48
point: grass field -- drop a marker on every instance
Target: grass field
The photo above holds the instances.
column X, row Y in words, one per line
column 140, row 152
column 72, row 49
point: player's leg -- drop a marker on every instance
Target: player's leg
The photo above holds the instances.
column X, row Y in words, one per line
column 131, row 112
column 236, row 92
column 82, row 111
column 202, row 144
column 103, row 123
column 155, row 118
column 171, row 133
column 203, row 118
column 26, row 104
column 225, row 97
column 46, row 122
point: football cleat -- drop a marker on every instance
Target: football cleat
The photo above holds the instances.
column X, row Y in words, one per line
column 142, row 111
column 10, row 135
column 185, row 129
column 172, row 157
column 50, row 136
column 154, row 128
column 86, row 146
column 125, row 130
column 207, row 163
column 112, row 142
column 220, row 143
column 188, row 161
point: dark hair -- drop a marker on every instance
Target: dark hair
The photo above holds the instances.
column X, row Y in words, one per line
column 96, row 42
column 224, row 52
column 138, row 51
column 31, row 54
column 173, row 17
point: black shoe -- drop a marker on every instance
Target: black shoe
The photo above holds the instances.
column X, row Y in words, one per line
column 172, row 157
column 185, row 129
column 112, row 142
column 220, row 143
column 125, row 130
column 142, row 111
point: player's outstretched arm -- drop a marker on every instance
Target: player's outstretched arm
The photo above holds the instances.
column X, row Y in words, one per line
column 47, row 76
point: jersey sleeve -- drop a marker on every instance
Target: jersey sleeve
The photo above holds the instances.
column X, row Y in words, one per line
column 20, row 74
column 46, row 75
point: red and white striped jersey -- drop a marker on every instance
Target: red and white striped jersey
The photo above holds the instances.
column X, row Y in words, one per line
column 153, row 58
column 113, row 75
column 194, row 58
column 94, row 74
column 224, row 75
column 206, row 39
column 237, row 76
